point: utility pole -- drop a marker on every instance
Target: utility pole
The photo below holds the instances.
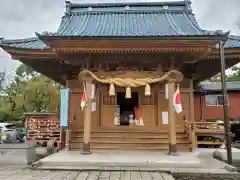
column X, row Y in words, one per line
column 225, row 104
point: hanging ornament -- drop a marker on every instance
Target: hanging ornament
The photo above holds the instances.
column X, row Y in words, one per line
column 128, row 93
column 93, row 91
column 147, row 90
column 112, row 90
column 166, row 91
column 141, row 122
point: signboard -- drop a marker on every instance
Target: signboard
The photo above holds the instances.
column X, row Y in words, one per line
column 164, row 117
column 64, row 93
column 94, row 107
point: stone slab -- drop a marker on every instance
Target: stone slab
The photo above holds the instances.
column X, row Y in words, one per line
column 18, row 173
column 17, row 154
column 221, row 154
column 123, row 160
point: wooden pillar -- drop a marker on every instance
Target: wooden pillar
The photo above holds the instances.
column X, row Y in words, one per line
column 172, row 119
column 192, row 116
column 67, row 132
column 87, row 119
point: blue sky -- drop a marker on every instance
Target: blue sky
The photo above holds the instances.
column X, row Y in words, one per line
column 22, row 18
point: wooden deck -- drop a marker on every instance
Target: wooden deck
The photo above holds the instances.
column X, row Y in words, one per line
column 13, row 173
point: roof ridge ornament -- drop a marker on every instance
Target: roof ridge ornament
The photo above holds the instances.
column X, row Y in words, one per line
column 68, row 6
column 90, row 9
column 45, row 33
column 188, row 5
column 165, row 7
column 127, row 7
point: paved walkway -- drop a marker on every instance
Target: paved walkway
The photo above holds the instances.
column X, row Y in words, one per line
column 16, row 173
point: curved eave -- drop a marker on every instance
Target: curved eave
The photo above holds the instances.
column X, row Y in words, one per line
column 232, row 57
column 46, row 69
column 28, row 43
column 123, row 4
column 49, row 37
column 17, row 52
column 230, row 52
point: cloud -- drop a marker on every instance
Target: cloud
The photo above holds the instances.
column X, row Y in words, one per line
column 22, row 18
column 218, row 14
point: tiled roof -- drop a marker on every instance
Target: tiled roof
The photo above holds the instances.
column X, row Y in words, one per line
column 124, row 20
column 28, row 43
column 217, row 86
column 36, row 43
column 130, row 19
column 233, row 42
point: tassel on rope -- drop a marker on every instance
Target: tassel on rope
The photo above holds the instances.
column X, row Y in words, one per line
column 147, row 90
column 128, row 92
column 141, row 122
column 112, row 90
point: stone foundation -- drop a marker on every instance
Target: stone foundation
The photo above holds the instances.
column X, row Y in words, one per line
column 17, row 154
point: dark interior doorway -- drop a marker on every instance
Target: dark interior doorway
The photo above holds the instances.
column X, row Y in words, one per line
column 127, row 106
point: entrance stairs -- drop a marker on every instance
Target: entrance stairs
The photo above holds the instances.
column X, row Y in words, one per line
column 129, row 140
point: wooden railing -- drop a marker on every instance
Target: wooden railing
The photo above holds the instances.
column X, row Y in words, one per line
column 208, row 125
column 195, row 129
column 190, row 130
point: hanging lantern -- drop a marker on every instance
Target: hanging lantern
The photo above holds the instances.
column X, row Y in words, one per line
column 147, row 90
column 112, row 90
column 128, row 93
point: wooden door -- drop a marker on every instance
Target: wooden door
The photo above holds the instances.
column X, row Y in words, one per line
column 148, row 111
column 184, row 115
column 108, row 109
column 76, row 115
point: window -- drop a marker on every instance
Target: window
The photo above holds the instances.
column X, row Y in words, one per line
column 214, row 100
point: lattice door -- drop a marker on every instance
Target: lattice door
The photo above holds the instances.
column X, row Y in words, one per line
column 148, row 111
column 108, row 109
column 76, row 115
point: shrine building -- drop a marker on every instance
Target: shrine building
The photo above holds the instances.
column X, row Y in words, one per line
column 130, row 59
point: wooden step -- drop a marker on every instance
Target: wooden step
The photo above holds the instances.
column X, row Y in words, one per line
column 129, row 130
column 127, row 135
column 165, row 147
column 127, row 140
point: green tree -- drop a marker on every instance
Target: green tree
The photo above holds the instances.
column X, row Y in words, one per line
column 235, row 76
column 28, row 91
